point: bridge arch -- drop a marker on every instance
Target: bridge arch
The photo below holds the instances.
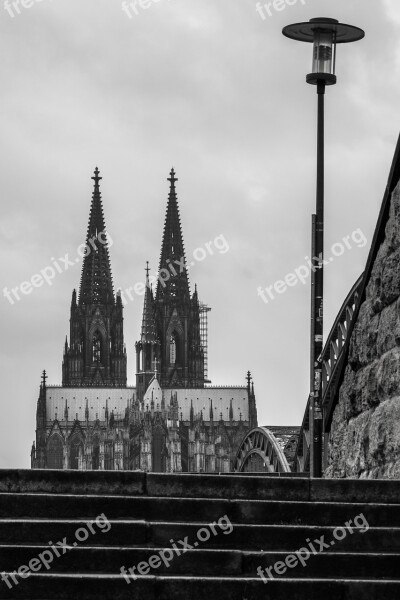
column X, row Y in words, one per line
column 259, row 451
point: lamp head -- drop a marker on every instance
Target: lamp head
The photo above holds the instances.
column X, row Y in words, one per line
column 324, row 34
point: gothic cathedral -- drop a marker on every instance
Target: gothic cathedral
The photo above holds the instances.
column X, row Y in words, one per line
column 173, row 420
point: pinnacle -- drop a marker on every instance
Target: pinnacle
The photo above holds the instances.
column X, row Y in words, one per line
column 149, row 332
column 172, row 250
column 96, row 280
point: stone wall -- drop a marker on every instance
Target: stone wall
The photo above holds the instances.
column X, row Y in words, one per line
column 365, row 433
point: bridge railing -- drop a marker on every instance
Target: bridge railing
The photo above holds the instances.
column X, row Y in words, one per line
column 302, row 455
column 334, row 346
column 332, row 356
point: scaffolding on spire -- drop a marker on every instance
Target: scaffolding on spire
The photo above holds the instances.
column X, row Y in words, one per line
column 204, row 310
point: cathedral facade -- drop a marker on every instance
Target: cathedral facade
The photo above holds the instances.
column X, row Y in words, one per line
column 172, row 420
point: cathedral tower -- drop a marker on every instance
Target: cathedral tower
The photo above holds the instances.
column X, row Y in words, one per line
column 96, row 354
column 177, row 313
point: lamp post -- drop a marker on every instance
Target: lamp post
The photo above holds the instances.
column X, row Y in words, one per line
column 324, row 34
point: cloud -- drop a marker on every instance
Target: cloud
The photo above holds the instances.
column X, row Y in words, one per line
column 220, row 94
column 392, row 9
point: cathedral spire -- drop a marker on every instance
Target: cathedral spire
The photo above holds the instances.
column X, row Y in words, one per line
column 96, row 280
column 248, row 377
column 172, row 275
column 195, row 297
column 44, row 377
column 147, row 349
column 149, row 332
column 96, row 352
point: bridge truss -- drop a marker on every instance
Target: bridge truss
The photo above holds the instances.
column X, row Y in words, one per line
column 260, row 452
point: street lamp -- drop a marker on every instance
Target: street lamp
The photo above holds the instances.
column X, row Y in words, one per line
column 324, row 34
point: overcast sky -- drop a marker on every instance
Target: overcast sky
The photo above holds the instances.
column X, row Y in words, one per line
column 215, row 90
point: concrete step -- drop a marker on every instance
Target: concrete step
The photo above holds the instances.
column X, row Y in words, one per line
column 147, row 508
column 159, row 534
column 205, row 563
column 106, row 587
column 233, row 529
column 137, row 483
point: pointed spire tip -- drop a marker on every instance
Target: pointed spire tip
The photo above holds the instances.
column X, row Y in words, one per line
column 172, row 177
column 96, row 177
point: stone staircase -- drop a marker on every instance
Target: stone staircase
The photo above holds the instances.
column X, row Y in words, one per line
column 68, row 534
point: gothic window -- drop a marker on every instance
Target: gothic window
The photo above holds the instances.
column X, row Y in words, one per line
column 185, row 454
column 55, row 453
column 76, row 448
column 96, row 455
column 109, row 456
column 158, row 451
column 147, row 360
column 81, row 341
column 172, row 349
column 96, row 345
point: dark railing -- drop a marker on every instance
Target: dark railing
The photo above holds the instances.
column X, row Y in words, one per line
column 332, row 357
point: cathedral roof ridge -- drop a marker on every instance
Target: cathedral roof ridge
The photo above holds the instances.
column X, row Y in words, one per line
column 225, row 387
column 111, row 388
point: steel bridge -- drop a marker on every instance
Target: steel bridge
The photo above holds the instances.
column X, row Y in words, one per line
column 260, row 452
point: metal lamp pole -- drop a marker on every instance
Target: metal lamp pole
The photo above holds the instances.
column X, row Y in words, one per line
column 324, row 34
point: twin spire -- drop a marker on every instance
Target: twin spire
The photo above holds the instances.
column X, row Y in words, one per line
column 173, row 280
column 96, row 286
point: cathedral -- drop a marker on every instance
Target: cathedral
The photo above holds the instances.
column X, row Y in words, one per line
column 173, row 420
